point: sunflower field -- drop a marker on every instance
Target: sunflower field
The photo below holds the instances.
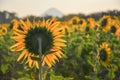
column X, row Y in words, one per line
column 74, row 49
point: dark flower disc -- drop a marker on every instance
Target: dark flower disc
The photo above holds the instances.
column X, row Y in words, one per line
column 74, row 22
column 104, row 22
column 31, row 40
column 80, row 22
column 103, row 55
column 113, row 29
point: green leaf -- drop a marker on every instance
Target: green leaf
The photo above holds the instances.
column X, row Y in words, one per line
column 4, row 68
column 24, row 78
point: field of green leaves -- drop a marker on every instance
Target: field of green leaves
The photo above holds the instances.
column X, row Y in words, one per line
column 92, row 52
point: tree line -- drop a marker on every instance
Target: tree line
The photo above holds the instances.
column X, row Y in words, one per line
column 6, row 17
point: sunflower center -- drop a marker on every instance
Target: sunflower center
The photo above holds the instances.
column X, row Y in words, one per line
column 31, row 40
column 80, row 22
column 103, row 54
column 87, row 29
column 113, row 29
column 104, row 22
column 74, row 22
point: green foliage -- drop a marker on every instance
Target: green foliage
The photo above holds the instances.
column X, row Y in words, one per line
column 82, row 60
column 4, row 68
column 10, row 69
column 60, row 77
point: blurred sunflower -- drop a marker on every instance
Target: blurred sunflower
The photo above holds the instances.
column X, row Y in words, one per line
column 82, row 24
column 105, row 23
column 116, row 19
column 115, row 28
column 104, row 54
column 27, row 41
column 14, row 24
column 92, row 23
column 3, row 29
column 74, row 22
column 66, row 28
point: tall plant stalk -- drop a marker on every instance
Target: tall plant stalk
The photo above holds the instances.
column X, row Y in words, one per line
column 40, row 54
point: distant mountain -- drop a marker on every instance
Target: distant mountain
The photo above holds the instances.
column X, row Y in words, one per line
column 52, row 12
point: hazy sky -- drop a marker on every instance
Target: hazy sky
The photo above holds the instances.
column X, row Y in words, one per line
column 38, row 7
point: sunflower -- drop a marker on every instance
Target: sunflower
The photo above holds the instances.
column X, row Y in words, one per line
column 74, row 22
column 27, row 40
column 104, row 54
column 105, row 23
column 14, row 24
column 92, row 23
column 82, row 23
column 66, row 28
column 115, row 28
column 116, row 19
column 3, row 29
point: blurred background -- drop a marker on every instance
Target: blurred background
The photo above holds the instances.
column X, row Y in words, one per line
column 10, row 9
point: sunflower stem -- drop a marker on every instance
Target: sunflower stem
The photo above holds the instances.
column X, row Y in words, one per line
column 40, row 53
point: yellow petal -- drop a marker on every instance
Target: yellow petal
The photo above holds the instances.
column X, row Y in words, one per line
column 18, row 38
column 57, row 30
column 49, row 58
column 58, row 54
column 28, row 23
column 43, row 22
column 54, row 57
column 30, row 63
column 22, row 55
column 15, row 45
column 19, row 48
column 59, row 44
column 24, row 25
column 36, row 64
column 43, row 62
column 25, row 56
column 57, row 33
column 47, row 61
column 59, row 40
column 54, row 26
column 58, row 36
column 19, row 31
column 48, row 22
